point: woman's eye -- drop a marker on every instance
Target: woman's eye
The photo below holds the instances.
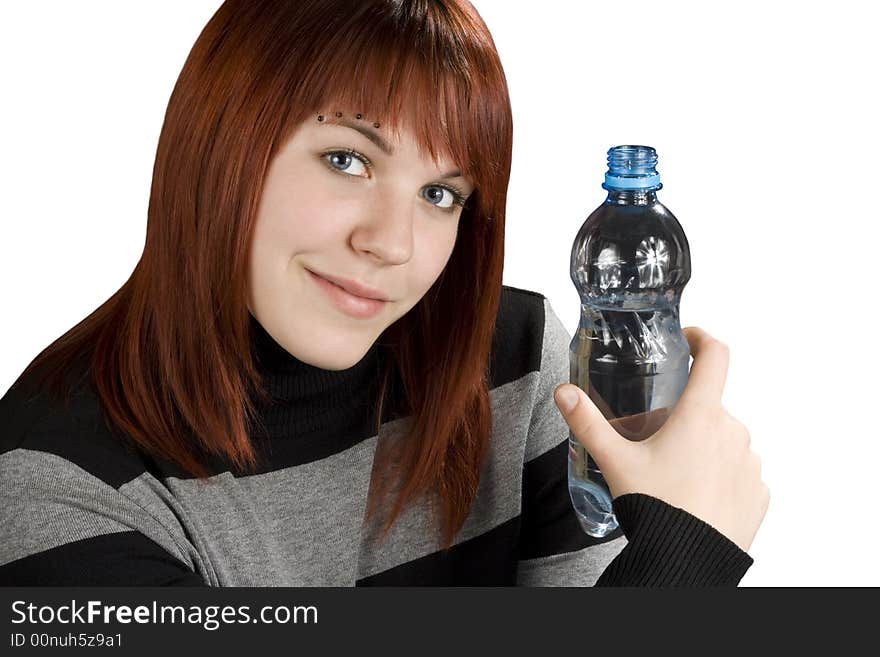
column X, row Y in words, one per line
column 342, row 161
column 434, row 194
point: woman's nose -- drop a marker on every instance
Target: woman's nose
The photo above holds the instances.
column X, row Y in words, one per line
column 386, row 229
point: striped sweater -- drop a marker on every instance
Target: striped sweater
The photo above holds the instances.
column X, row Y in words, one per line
column 80, row 507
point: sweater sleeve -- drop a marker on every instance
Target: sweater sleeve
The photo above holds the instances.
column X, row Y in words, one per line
column 655, row 544
column 61, row 526
column 670, row 547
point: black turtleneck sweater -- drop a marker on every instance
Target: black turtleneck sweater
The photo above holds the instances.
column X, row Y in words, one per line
column 79, row 508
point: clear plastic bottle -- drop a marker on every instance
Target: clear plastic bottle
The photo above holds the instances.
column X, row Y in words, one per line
column 630, row 262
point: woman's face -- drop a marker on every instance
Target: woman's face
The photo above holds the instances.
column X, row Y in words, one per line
column 335, row 203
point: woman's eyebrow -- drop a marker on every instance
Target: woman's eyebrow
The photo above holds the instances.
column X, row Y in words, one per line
column 377, row 139
column 374, row 137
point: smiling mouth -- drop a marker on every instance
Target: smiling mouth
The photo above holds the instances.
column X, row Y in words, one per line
column 349, row 303
column 352, row 287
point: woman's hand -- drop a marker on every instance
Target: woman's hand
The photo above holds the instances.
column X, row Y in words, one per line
column 699, row 460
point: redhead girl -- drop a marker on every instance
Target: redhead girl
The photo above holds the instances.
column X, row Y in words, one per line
column 315, row 376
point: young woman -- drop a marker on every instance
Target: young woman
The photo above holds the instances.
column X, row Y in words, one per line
column 314, row 375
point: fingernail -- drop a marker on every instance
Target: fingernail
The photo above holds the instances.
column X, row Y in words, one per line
column 566, row 399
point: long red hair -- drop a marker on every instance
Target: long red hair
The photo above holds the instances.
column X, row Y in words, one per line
column 169, row 354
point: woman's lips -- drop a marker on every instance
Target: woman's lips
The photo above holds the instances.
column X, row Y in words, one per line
column 350, row 304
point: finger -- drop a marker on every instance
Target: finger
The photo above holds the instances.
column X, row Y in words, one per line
column 591, row 429
column 709, row 370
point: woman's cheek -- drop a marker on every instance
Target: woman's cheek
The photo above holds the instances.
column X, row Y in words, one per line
column 437, row 245
column 313, row 223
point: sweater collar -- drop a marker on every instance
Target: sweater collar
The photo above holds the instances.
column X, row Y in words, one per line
column 308, row 399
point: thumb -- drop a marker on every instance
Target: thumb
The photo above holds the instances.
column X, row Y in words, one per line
column 589, row 426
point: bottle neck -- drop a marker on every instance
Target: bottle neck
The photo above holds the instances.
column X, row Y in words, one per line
column 631, row 197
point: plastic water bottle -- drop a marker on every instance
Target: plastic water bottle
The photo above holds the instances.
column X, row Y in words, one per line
column 630, row 262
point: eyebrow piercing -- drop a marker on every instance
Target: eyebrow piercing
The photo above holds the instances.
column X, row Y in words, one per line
column 358, row 116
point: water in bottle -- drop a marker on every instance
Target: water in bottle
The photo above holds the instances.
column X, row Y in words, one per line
column 630, row 262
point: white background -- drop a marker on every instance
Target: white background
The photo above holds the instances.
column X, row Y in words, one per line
column 764, row 117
